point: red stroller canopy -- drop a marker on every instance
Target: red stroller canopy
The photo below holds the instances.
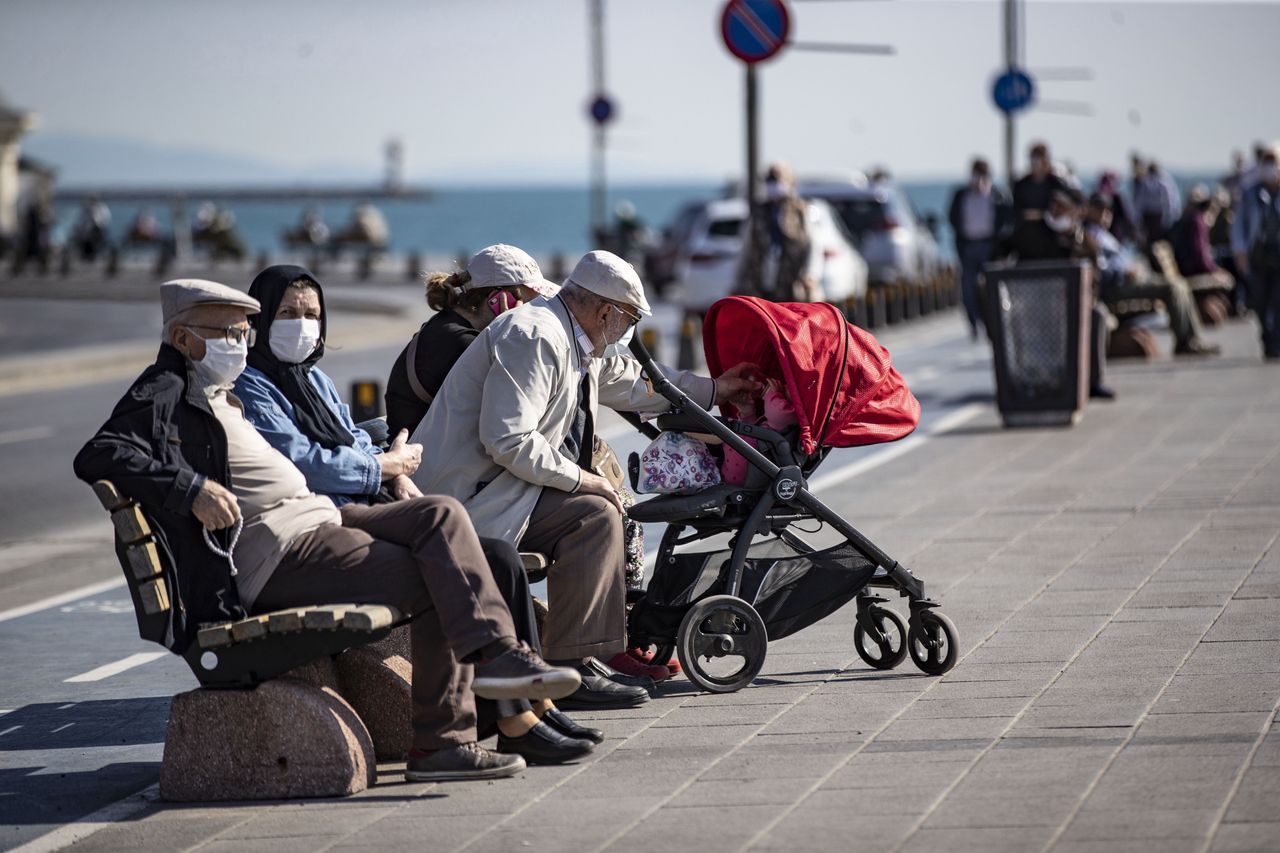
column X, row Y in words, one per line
column 839, row 378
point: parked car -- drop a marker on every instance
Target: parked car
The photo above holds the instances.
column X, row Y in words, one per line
column 660, row 259
column 707, row 263
column 886, row 229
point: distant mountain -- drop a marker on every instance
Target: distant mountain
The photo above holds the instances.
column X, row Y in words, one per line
column 92, row 160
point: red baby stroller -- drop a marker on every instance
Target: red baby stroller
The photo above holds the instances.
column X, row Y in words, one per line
column 718, row 609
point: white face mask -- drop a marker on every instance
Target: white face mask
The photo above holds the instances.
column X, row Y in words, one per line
column 1269, row 173
column 222, row 361
column 293, row 340
column 620, row 348
column 773, row 190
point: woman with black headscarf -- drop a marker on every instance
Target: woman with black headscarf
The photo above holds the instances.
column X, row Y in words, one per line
column 296, row 408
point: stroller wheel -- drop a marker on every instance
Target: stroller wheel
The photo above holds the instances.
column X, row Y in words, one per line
column 722, row 643
column 891, row 649
column 931, row 639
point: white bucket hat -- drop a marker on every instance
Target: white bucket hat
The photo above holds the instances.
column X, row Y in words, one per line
column 501, row 265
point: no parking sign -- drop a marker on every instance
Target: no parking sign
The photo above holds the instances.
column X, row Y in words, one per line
column 755, row 30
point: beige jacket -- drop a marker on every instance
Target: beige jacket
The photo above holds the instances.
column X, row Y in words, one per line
column 493, row 435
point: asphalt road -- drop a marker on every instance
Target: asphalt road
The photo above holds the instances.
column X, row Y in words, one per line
column 83, row 701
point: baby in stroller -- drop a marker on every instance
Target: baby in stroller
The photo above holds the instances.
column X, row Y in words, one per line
column 829, row 384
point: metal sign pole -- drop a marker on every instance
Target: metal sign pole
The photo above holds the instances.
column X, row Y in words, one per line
column 1010, row 60
column 751, row 189
column 598, row 175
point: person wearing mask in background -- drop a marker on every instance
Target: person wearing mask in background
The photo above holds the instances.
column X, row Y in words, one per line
column 979, row 213
column 1123, row 276
column 497, row 279
column 1032, row 192
column 243, row 534
column 510, row 434
column 1055, row 236
column 296, row 408
column 1255, row 240
column 1156, row 201
column 775, row 258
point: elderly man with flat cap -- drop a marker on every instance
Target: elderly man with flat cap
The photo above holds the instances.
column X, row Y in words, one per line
column 510, row 434
column 179, row 444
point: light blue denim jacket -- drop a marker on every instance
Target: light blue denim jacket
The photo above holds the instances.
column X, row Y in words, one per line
column 340, row 473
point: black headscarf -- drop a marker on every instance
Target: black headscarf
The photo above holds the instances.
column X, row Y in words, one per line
column 319, row 422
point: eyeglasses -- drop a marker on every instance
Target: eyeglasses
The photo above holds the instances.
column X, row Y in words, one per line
column 632, row 319
column 234, row 334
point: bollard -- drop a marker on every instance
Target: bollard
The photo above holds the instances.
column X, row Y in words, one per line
column 365, row 269
column 910, row 301
column 873, row 304
column 64, row 262
column 652, row 342
column 688, row 342
column 413, row 268
column 113, row 262
column 893, row 303
column 366, row 400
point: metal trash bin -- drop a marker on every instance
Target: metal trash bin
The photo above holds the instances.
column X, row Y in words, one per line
column 1038, row 319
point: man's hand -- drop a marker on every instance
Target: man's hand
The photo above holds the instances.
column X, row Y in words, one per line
column 594, row 484
column 215, row 507
column 402, row 459
column 738, row 384
column 404, row 488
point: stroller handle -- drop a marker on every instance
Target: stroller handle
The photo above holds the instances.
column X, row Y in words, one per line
column 661, row 383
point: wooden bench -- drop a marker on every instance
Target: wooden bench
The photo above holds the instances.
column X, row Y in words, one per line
column 1213, row 299
column 236, row 653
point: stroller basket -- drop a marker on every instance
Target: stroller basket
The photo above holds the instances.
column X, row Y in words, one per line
column 789, row 583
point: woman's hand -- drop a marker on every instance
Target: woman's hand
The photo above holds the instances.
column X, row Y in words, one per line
column 402, row 459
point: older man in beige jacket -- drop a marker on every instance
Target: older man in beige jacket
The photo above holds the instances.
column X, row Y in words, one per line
column 510, row 435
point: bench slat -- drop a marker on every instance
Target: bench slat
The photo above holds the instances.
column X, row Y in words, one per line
column 249, row 629
column 108, row 495
column 285, row 621
column 325, row 618
column 144, row 559
column 131, row 524
column 215, row 636
column 369, row 617
column 155, row 597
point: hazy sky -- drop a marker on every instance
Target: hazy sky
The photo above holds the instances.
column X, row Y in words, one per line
column 495, row 90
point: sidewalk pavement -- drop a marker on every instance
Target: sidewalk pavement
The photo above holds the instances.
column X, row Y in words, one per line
column 1116, row 587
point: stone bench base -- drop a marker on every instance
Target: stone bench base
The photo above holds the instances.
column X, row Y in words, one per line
column 316, row 732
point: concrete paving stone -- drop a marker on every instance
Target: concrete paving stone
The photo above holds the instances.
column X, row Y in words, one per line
column 408, row 831
column 150, row 834
column 1258, row 797
column 581, row 835
column 564, row 808
column 1013, row 839
column 1131, row 845
column 1262, row 837
column 1053, row 623
column 930, row 707
column 1219, row 692
column 1200, row 617
column 1003, row 672
column 1172, row 595
column 718, row 715
column 938, row 729
column 948, row 748
column 1248, row 619
column 284, row 822
column 1035, row 649
column 1101, row 716
column 824, row 828
column 727, row 735
column 701, row 828
column 749, row 763
column 1099, row 824
column 293, row 844
column 1268, row 754
column 996, row 688
column 1007, row 807
column 745, row 792
column 902, row 800
column 1166, row 782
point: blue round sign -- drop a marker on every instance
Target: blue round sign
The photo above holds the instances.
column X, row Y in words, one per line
column 601, row 109
column 755, row 30
column 1013, row 90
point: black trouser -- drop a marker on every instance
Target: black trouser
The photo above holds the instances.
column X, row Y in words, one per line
column 513, row 584
column 1264, row 292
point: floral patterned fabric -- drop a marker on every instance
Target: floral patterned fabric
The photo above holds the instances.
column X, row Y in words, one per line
column 675, row 464
column 632, row 541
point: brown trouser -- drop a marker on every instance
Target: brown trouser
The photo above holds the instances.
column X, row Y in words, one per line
column 582, row 536
column 422, row 557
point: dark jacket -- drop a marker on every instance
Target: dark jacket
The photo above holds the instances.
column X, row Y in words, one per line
column 441, row 341
column 160, row 443
column 1003, row 220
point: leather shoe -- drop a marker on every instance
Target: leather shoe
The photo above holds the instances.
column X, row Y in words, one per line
column 599, row 693
column 562, row 723
column 544, row 745
column 595, row 666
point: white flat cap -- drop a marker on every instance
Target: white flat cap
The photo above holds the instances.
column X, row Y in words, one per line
column 179, row 296
column 507, row 266
column 605, row 274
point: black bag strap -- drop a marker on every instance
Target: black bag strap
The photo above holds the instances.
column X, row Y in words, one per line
column 411, row 368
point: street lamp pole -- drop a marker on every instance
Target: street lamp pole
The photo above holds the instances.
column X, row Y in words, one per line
column 598, row 174
column 1010, row 60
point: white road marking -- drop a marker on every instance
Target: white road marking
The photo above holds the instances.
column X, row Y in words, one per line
column 57, row 600
column 110, row 669
column 15, row 436
column 71, row 833
column 66, row 706
column 10, row 729
column 60, row 728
